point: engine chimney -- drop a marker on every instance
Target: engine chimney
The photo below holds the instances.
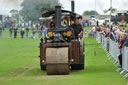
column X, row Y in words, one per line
column 58, row 16
column 73, row 5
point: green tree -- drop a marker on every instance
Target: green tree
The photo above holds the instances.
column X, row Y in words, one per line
column 32, row 9
column 90, row 13
column 15, row 14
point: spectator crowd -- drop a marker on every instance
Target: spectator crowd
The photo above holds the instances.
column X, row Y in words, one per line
column 116, row 34
column 24, row 30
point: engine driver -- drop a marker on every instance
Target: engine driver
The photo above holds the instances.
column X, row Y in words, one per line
column 77, row 27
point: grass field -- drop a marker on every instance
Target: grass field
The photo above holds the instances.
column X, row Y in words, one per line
column 19, row 65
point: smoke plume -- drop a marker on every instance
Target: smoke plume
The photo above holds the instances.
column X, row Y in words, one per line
column 12, row 2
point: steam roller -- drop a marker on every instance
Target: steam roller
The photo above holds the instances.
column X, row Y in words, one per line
column 57, row 61
column 60, row 51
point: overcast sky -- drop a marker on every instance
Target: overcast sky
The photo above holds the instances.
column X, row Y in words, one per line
column 80, row 5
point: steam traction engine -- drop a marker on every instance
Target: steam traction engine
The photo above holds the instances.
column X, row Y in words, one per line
column 60, row 52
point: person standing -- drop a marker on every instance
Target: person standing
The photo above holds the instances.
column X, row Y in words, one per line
column 15, row 32
column 33, row 31
column 0, row 29
column 97, row 23
column 27, row 30
column 78, row 30
column 20, row 23
column 3, row 27
column 37, row 27
column 10, row 31
column 44, row 31
column 120, row 46
column 22, row 32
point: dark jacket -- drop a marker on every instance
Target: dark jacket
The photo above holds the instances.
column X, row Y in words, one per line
column 77, row 29
column 112, row 35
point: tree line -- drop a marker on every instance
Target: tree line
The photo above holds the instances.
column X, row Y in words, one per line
column 32, row 9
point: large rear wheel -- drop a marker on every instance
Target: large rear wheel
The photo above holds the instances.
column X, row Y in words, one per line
column 77, row 67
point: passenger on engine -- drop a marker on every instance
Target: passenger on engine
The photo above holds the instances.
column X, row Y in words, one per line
column 52, row 23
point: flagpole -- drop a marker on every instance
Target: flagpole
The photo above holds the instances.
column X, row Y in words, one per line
column 110, row 12
column 95, row 13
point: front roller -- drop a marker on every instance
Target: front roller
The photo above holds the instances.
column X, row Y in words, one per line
column 57, row 61
column 57, row 69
